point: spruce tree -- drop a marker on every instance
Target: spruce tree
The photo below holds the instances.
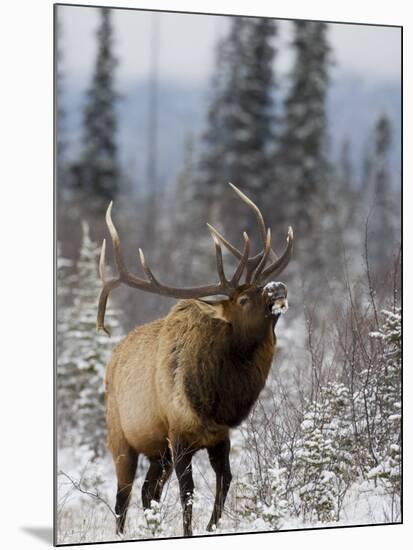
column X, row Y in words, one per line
column 241, row 118
column 81, row 364
column 302, row 164
column 261, row 496
column 379, row 196
column 317, row 492
column 97, row 173
column 345, row 218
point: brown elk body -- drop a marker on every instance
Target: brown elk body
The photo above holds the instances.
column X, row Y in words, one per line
column 179, row 384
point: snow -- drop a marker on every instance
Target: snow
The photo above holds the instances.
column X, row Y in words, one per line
column 83, row 518
column 272, row 287
column 280, row 307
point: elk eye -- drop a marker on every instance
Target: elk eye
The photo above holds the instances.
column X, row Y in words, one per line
column 244, row 300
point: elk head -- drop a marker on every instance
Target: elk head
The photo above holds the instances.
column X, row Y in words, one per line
column 253, row 307
column 250, row 304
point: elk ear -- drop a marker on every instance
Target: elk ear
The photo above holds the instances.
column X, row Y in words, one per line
column 215, row 310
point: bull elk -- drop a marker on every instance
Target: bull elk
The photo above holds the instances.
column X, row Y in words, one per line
column 180, row 383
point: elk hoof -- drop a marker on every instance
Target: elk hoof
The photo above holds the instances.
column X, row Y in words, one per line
column 120, row 525
column 211, row 527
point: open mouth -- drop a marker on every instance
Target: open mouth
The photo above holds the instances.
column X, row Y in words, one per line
column 279, row 307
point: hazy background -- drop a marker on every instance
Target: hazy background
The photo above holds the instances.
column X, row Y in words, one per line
column 365, row 79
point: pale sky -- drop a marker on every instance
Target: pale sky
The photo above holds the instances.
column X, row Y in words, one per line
column 187, row 45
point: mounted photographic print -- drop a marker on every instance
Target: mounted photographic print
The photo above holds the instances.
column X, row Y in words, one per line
column 228, row 274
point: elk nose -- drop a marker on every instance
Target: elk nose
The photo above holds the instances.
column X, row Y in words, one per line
column 275, row 291
column 280, row 295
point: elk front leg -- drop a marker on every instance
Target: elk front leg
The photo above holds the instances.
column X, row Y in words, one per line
column 219, row 458
column 182, row 459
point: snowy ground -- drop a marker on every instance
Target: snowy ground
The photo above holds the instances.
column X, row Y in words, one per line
column 85, row 518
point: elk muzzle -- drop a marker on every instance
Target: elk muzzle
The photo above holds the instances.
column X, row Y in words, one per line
column 275, row 295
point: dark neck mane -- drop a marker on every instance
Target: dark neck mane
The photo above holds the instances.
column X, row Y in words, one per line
column 228, row 376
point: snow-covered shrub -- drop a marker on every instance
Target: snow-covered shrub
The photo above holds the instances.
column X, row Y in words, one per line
column 274, row 512
column 388, row 391
column 262, row 498
column 324, row 452
column 153, row 517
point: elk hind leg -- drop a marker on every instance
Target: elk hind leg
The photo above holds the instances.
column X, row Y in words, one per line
column 125, row 459
column 159, row 472
column 125, row 462
column 219, row 459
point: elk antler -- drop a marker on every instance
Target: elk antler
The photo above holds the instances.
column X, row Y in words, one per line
column 256, row 263
column 151, row 284
column 280, row 263
column 255, row 266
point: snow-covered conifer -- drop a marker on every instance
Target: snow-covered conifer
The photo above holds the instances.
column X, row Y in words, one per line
column 274, row 511
column 326, row 467
column 378, row 196
column 64, row 267
column 85, row 354
column 303, row 170
column 239, row 137
column 97, row 172
column 262, row 497
column 388, row 411
column 315, row 476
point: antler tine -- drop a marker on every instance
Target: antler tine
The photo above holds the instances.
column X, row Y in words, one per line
column 227, row 244
column 243, row 262
column 115, row 240
column 256, row 210
column 259, row 217
column 103, row 298
column 263, row 261
column 147, row 269
column 220, row 263
column 252, row 263
column 281, row 263
column 102, row 261
column 108, row 285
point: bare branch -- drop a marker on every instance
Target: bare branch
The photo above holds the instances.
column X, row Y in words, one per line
column 77, row 485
